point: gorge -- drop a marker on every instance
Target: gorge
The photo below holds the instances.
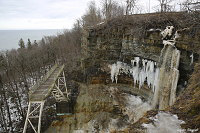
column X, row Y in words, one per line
column 129, row 67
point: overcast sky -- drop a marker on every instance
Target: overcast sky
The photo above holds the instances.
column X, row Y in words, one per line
column 47, row 14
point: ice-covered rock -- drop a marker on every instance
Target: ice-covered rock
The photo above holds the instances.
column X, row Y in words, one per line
column 135, row 107
column 168, row 42
column 167, row 32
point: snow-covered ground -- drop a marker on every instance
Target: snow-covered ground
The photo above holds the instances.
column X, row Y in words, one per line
column 13, row 102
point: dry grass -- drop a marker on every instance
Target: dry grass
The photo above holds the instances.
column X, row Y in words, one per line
column 187, row 106
column 143, row 22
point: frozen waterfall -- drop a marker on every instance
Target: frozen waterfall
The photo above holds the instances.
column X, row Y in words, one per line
column 165, row 94
column 147, row 72
column 161, row 77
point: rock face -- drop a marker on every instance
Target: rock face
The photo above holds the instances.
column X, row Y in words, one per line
column 118, row 40
column 84, row 109
column 101, row 108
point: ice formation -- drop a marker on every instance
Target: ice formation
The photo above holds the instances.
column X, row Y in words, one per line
column 154, row 30
column 167, row 32
column 135, row 107
column 147, row 72
column 118, row 68
column 170, row 57
column 176, row 35
column 163, row 80
column 100, row 23
column 164, row 123
column 192, row 59
column 168, row 42
column 78, row 131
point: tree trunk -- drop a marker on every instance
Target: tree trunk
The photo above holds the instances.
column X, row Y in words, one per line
column 6, row 103
column 3, row 119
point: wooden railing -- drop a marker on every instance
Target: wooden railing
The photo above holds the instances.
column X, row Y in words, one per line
column 43, row 79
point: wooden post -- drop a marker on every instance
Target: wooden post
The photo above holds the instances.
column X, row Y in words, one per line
column 26, row 121
column 65, row 82
column 40, row 116
column 30, row 115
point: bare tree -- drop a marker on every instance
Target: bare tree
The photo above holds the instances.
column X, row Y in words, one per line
column 190, row 5
column 111, row 9
column 130, row 6
column 165, row 5
column 92, row 16
column 5, row 104
column 107, row 4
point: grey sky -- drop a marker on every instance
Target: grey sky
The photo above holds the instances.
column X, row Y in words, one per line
column 40, row 14
column 47, row 14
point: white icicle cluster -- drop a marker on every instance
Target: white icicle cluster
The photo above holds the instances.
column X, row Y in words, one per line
column 118, row 68
column 148, row 72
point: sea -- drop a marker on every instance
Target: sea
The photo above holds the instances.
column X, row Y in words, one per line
column 9, row 38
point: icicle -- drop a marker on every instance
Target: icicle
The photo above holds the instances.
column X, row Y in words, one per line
column 118, row 68
column 176, row 36
column 192, row 59
column 148, row 72
column 113, row 68
column 137, row 59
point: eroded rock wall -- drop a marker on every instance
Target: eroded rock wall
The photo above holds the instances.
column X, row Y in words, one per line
column 111, row 42
column 101, row 108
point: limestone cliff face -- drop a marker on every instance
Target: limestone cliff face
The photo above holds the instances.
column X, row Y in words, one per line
column 119, row 40
column 92, row 102
column 101, row 108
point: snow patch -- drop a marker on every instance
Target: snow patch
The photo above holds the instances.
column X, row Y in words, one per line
column 78, row 131
column 168, row 42
column 100, row 23
column 135, row 107
column 176, row 35
column 164, row 123
column 167, row 32
column 154, row 30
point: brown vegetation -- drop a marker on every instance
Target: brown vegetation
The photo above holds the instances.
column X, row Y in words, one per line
column 187, row 106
